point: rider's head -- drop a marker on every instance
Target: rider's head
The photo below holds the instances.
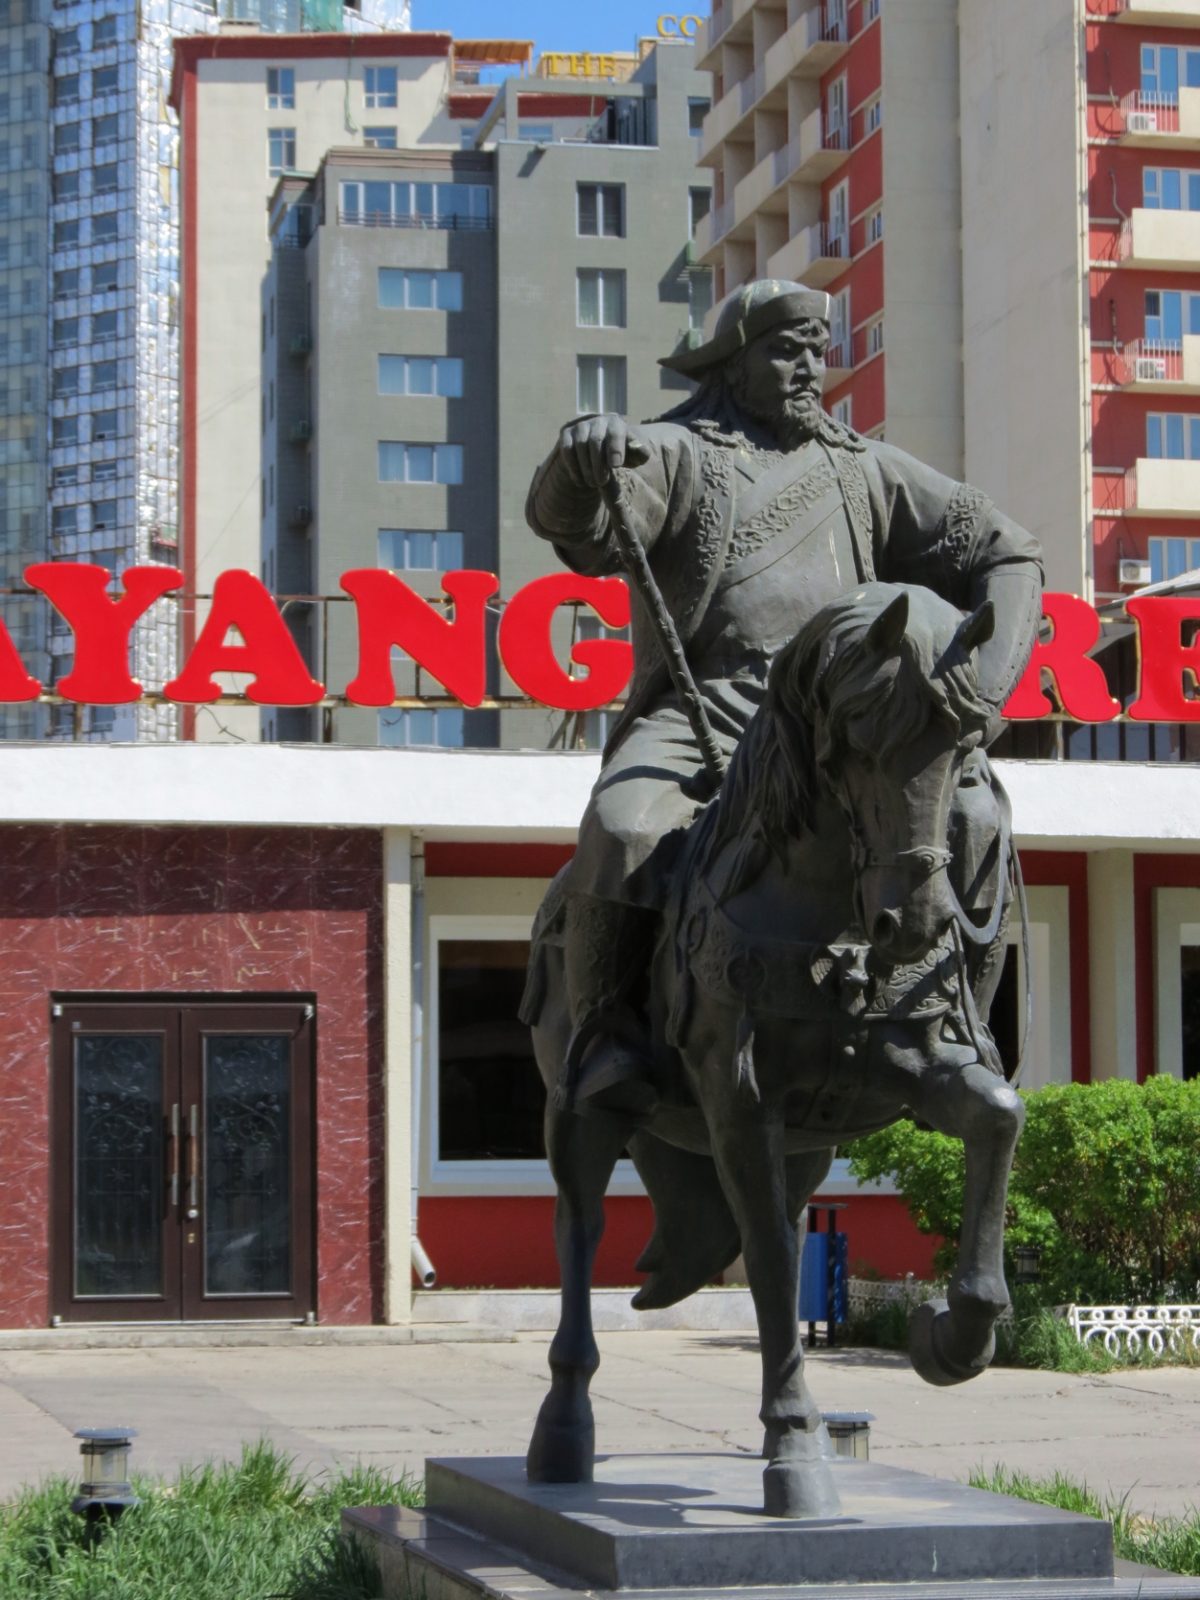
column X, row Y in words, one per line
column 767, row 355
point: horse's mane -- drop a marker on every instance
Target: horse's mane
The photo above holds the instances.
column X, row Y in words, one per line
column 828, row 676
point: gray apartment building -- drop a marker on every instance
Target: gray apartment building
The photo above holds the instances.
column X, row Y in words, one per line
column 432, row 317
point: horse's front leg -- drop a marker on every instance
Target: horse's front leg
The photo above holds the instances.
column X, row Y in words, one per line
column 953, row 1340
column 582, row 1151
column 749, row 1149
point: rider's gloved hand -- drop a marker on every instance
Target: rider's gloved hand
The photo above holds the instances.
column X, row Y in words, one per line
column 595, row 446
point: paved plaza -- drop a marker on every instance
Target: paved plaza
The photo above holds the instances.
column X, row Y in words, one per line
column 393, row 1405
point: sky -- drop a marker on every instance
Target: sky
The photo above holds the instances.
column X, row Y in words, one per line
column 551, row 24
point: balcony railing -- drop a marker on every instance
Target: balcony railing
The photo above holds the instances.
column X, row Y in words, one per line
column 1150, row 361
column 1150, row 113
column 827, row 25
column 718, row 23
column 384, row 219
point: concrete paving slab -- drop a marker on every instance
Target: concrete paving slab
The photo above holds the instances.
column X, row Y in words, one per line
column 393, row 1405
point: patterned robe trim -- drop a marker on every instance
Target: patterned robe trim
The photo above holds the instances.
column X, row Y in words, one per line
column 779, row 516
column 857, row 499
column 963, row 521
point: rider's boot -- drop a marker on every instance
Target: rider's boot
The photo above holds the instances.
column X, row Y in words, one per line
column 609, row 1059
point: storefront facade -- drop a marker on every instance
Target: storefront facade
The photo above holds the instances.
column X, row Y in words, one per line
column 257, row 1017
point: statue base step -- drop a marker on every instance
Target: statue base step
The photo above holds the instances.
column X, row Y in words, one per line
column 654, row 1523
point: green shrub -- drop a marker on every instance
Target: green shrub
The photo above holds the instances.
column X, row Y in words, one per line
column 1106, row 1182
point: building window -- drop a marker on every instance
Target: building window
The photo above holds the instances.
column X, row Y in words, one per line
column 402, row 289
column 873, row 117
column 66, row 89
column 875, row 337
column 104, row 31
column 417, row 205
column 104, row 227
column 380, row 86
column 870, row 11
column 104, row 515
column 442, row 727
column 1172, row 436
column 700, row 297
column 64, row 477
column 66, row 185
column 66, row 283
column 66, row 41
column 66, row 233
column 105, row 325
column 66, row 331
column 1170, row 313
column 104, row 375
column 281, row 89
column 835, row 115
column 104, row 471
column 64, row 520
column 105, row 80
column 281, row 151
column 104, row 277
column 699, row 205
column 838, row 354
column 104, row 424
column 68, row 136
column 600, row 298
column 600, row 384
column 838, row 243
column 421, row 375
column 65, row 430
column 1170, row 189
column 535, row 132
column 379, row 138
column 106, row 130
column 1165, row 69
column 1171, row 558
column 66, row 380
column 601, row 210
column 419, row 463
column 874, row 225
column 403, row 550
column 843, row 411
column 698, row 109
column 489, row 1104
column 104, row 179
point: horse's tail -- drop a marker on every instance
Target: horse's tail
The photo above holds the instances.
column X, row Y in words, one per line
column 695, row 1237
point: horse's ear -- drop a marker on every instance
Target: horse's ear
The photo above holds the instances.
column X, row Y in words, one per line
column 886, row 632
column 979, row 626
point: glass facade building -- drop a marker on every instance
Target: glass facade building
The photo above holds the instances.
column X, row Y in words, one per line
column 89, row 307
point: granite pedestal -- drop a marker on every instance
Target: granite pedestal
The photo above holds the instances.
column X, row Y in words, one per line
column 691, row 1525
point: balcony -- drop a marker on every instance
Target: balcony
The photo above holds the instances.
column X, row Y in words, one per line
column 1151, row 367
column 813, row 44
column 1161, row 121
column 730, row 20
column 1159, row 13
column 1162, row 488
column 1166, row 240
column 711, row 230
column 815, row 256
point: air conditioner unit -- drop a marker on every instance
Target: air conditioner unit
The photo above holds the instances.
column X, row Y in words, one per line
column 1133, row 574
column 1149, row 368
column 1141, row 122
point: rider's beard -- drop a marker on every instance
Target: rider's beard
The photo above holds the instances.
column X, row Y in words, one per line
column 793, row 420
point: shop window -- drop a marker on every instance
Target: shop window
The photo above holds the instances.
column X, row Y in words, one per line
column 490, row 1098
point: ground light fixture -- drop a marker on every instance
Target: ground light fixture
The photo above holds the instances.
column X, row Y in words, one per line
column 850, row 1433
column 104, row 1490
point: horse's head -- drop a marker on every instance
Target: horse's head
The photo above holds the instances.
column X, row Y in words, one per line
column 885, row 679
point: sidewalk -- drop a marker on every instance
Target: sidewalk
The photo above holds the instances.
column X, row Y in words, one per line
column 1136, row 1432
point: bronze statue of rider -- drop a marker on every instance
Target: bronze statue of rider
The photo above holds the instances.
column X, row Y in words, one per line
column 755, row 508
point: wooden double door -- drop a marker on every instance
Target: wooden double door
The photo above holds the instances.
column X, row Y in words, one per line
column 183, row 1185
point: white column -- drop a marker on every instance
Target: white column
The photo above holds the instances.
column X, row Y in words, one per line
column 1114, row 995
column 397, row 1075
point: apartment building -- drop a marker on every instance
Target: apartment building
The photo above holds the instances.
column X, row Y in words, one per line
column 999, row 198
column 432, row 317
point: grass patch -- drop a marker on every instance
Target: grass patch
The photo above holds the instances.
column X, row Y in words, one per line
column 1172, row 1543
column 248, row 1530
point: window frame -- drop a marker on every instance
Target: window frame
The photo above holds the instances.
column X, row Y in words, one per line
column 281, row 97
column 620, row 277
column 288, row 138
column 601, row 189
column 439, row 275
column 376, row 98
column 604, row 408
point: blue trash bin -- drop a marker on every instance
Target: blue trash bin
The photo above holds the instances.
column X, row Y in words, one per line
column 824, row 1268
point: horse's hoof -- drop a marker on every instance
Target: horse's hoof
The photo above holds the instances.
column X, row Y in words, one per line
column 931, row 1347
column 800, row 1489
column 561, row 1453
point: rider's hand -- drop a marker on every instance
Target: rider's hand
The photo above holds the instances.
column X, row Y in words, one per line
column 597, row 445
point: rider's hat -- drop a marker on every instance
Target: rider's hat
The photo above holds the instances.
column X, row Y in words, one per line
column 747, row 312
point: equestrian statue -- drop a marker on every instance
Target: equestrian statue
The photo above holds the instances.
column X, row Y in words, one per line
column 785, row 919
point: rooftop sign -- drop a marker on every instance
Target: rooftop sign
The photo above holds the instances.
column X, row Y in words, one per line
column 244, row 632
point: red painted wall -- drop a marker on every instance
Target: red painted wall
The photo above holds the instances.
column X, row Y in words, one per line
column 507, row 1242
column 174, row 910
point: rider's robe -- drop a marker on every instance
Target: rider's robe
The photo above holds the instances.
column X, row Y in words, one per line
column 746, row 545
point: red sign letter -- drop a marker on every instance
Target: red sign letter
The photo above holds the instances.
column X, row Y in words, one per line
column 528, row 654
column 101, row 624
column 390, row 614
column 1165, row 660
column 15, row 683
column 1080, row 680
column 269, row 652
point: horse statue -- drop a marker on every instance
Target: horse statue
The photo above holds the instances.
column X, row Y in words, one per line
column 816, row 978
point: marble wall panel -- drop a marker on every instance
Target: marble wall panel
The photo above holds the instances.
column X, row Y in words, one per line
column 194, row 911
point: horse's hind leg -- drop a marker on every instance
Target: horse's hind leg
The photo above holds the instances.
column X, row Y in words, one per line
column 953, row 1340
column 749, row 1149
column 582, row 1151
